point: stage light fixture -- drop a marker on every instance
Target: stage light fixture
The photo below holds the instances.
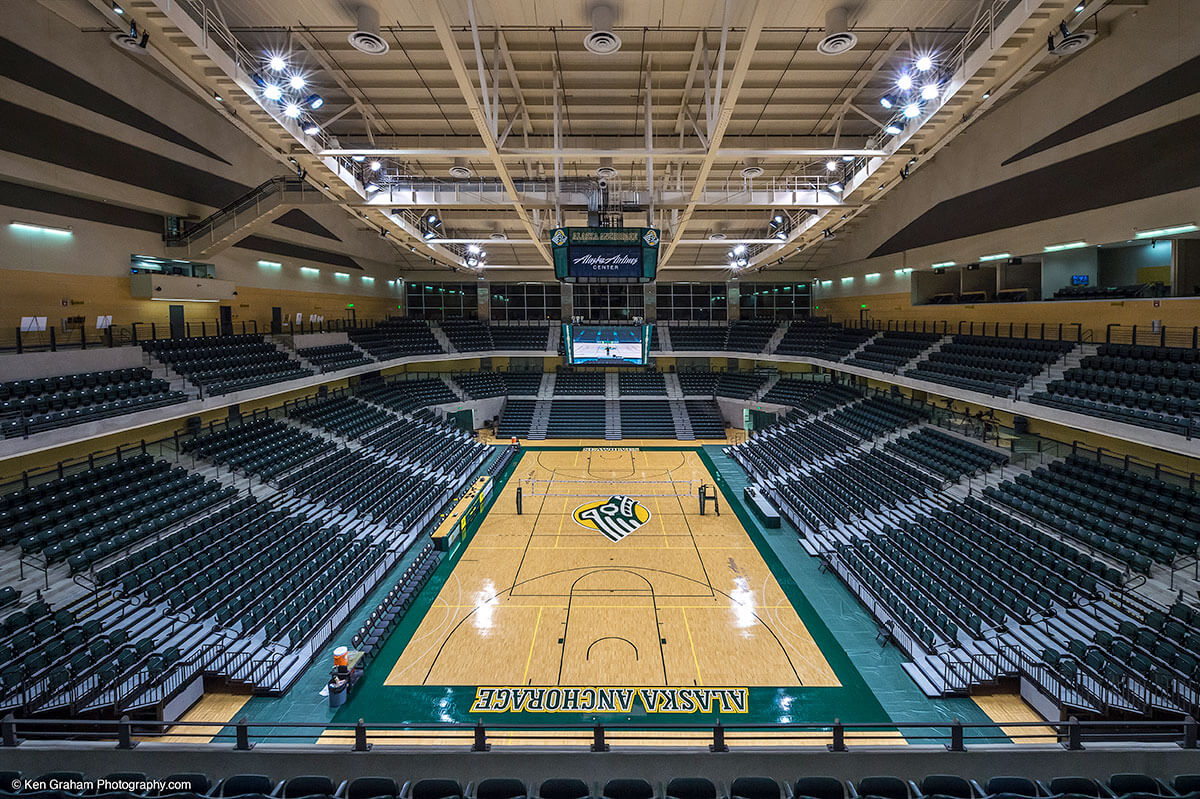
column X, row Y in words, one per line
column 1063, row 29
column 433, row 220
column 912, row 110
column 886, row 102
column 1079, row 8
column 893, row 130
column 474, row 249
column 358, row 159
column 312, row 129
column 739, row 249
column 929, row 91
column 272, row 92
column 904, row 82
column 924, row 63
column 836, row 188
column 371, row 188
column 276, row 63
column 117, row 9
column 847, row 158
column 297, row 81
column 781, row 234
column 291, row 110
column 314, row 101
column 830, row 165
column 376, row 166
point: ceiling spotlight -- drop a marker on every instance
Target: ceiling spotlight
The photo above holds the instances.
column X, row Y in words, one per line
column 117, row 9
column 277, row 63
column 376, row 166
column 929, row 91
column 739, row 249
column 433, row 220
column 312, row 129
column 781, row 234
column 358, row 159
column 429, row 234
column 987, row 95
column 297, row 81
column 777, row 219
column 1078, row 8
column 912, row 109
column 847, row 158
column 291, row 110
column 1064, row 30
column 904, row 82
column 836, row 188
column 886, row 102
column 924, row 63
column 742, row 262
column 218, row 97
column 371, row 188
column 472, row 261
column 893, row 130
column 272, row 92
column 314, row 101
column 474, row 249
column 830, row 165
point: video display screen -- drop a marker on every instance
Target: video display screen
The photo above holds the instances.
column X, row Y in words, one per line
column 607, row 345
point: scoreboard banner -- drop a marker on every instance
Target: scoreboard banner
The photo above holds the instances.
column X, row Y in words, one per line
column 624, row 254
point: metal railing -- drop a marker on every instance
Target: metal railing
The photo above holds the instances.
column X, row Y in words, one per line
column 716, row 737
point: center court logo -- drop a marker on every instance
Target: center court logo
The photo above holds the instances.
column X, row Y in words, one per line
column 615, row 517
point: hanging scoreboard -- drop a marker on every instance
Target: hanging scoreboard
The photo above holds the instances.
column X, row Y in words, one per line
column 609, row 254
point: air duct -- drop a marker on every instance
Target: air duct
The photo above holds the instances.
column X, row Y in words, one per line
column 752, row 170
column 461, row 169
column 366, row 38
column 838, row 38
column 606, row 169
column 602, row 40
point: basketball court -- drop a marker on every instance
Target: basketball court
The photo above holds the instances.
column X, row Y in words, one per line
column 610, row 576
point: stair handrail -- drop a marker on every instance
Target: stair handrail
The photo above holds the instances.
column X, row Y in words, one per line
column 275, row 185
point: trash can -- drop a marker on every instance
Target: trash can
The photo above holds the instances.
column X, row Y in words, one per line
column 338, row 691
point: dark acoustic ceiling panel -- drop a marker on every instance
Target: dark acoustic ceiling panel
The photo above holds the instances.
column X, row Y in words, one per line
column 1174, row 84
column 298, row 220
column 298, row 251
column 46, row 138
column 17, row 195
column 23, row 66
column 1157, row 162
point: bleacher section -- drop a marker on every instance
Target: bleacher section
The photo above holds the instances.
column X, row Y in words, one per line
column 809, row 395
column 479, row 385
column 388, row 613
column 740, row 385
column 516, row 418
column 578, row 383
column 86, row 516
column 468, row 336
column 31, row 406
column 521, row 337
column 406, row 395
column 698, row 383
column 221, row 364
column 522, row 384
column 332, row 357
column 945, row 454
column 408, row 786
column 1156, row 387
column 397, row 338
column 1126, row 292
column 262, row 446
column 1136, row 520
column 892, row 350
column 340, row 414
column 989, row 364
column 750, row 335
column 705, row 418
column 576, row 419
column 819, row 338
column 698, row 337
column 648, row 383
column 646, row 419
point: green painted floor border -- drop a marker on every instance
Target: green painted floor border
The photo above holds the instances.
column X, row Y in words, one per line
column 855, row 701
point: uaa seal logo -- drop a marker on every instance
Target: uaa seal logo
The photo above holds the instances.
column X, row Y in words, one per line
column 651, row 238
column 559, row 238
column 615, row 517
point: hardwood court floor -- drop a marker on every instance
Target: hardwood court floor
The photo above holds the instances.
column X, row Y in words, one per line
column 540, row 599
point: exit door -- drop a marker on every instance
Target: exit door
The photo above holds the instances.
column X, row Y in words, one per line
column 226, row 320
column 177, row 328
column 276, row 320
